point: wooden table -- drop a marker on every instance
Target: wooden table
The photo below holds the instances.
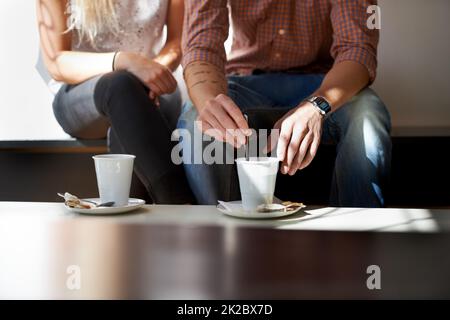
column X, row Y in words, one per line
column 195, row 252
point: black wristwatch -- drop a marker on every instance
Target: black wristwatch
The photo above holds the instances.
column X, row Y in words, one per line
column 321, row 104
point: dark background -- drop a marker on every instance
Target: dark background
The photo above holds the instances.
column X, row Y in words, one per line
column 35, row 171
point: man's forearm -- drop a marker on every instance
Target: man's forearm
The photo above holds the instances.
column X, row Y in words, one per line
column 342, row 82
column 204, row 82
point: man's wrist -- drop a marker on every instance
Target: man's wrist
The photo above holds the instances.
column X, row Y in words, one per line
column 320, row 104
column 310, row 106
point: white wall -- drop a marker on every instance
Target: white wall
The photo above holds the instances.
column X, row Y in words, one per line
column 25, row 101
column 413, row 69
column 414, row 61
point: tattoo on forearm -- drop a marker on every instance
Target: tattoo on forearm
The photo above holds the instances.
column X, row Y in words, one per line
column 220, row 84
column 197, row 74
column 196, row 83
column 201, row 72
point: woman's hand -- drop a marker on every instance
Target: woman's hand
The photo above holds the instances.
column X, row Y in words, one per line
column 156, row 77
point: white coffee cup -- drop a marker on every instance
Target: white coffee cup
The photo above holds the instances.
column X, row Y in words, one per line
column 114, row 172
column 257, row 178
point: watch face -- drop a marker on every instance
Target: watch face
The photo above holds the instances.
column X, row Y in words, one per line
column 323, row 104
column 320, row 103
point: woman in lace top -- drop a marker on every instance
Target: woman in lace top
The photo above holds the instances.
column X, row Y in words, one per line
column 116, row 74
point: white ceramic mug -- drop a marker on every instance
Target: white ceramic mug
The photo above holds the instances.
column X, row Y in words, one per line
column 257, row 178
column 114, row 172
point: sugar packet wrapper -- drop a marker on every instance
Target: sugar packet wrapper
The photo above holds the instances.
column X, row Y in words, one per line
column 74, row 202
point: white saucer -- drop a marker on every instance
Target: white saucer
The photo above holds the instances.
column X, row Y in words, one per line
column 133, row 204
column 235, row 209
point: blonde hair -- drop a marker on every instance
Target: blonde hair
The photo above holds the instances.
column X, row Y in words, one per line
column 92, row 17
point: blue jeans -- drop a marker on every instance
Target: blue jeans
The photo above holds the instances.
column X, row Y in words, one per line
column 359, row 129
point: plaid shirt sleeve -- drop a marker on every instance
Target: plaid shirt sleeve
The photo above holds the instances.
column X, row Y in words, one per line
column 205, row 31
column 352, row 39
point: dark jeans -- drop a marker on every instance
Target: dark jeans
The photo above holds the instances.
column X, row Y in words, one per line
column 119, row 100
column 359, row 129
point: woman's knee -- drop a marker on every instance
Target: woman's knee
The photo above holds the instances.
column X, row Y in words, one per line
column 117, row 86
column 119, row 81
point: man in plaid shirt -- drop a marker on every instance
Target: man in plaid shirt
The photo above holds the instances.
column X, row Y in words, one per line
column 308, row 65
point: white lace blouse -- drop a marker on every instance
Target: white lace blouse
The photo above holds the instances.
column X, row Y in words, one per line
column 141, row 24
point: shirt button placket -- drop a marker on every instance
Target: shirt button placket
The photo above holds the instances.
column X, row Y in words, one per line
column 277, row 55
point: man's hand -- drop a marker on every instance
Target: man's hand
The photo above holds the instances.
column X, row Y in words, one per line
column 223, row 120
column 219, row 116
column 299, row 138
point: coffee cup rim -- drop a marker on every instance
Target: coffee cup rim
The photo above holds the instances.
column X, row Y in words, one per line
column 111, row 157
column 257, row 160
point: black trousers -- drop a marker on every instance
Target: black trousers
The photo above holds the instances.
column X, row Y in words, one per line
column 119, row 102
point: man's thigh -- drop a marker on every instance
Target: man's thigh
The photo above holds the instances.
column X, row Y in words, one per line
column 362, row 112
column 261, row 110
column 283, row 90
